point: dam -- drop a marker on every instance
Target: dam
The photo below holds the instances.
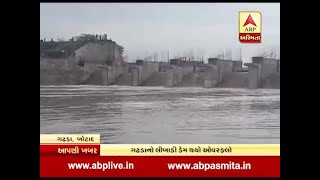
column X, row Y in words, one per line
column 96, row 60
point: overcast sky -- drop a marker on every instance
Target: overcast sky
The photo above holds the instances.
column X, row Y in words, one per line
column 145, row 28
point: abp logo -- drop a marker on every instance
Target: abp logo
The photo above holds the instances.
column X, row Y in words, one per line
column 250, row 27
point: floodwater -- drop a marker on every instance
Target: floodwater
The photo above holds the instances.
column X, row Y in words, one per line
column 130, row 115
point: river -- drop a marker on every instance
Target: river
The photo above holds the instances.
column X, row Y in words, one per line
column 134, row 115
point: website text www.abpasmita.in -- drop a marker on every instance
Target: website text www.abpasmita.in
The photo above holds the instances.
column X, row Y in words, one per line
column 209, row 166
column 110, row 165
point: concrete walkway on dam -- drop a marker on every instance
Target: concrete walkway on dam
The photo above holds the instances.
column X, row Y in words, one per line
column 261, row 73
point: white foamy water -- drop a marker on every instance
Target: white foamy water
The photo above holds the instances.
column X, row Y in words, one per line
column 124, row 114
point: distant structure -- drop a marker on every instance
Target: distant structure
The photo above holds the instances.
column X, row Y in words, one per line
column 95, row 59
column 260, row 69
column 86, row 48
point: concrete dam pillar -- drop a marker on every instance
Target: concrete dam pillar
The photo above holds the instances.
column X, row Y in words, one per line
column 169, row 81
column 223, row 67
column 135, row 76
column 259, row 70
column 174, row 77
column 254, row 76
column 211, row 77
column 111, row 75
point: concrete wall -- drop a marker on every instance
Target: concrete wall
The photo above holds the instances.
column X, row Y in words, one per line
column 260, row 70
column 278, row 65
column 254, row 74
column 224, row 66
column 262, row 73
column 135, row 76
column 204, row 75
column 235, row 80
column 170, row 82
column 213, row 61
column 269, row 66
column 164, row 67
column 184, row 61
column 211, row 77
column 203, row 68
column 174, row 77
column 191, row 80
column 257, row 60
column 174, row 62
column 237, row 66
column 272, row 81
column 125, row 79
column 146, row 70
column 171, row 75
column 97, row 77
column 188, row 68
column 99, row 52
column 113, row 72
column 157, row 79
column 140, row 74
column 62, row 72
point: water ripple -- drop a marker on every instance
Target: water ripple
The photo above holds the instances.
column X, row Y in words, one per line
column 134, row 115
